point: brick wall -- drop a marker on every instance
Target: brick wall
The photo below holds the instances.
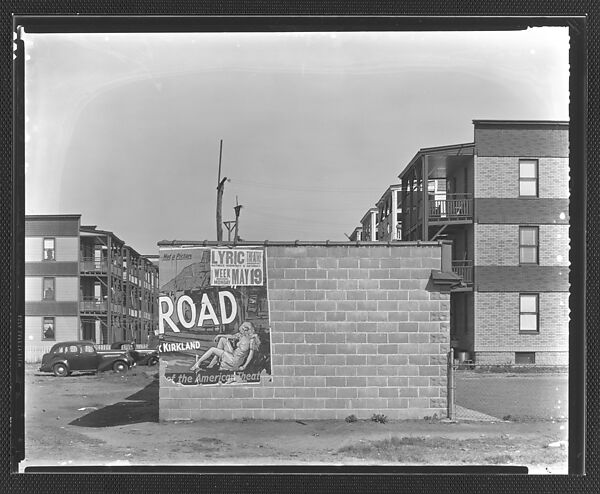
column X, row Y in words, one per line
column 522, row 211
column 354, row 330
column 498, row 245
column 498, row 177
column 514, row 139
column 497, row 323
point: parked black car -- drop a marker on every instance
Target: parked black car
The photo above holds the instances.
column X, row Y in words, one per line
column 140, row 356
column 83, row 356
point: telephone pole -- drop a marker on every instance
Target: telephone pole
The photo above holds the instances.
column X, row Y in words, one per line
column 220, row 188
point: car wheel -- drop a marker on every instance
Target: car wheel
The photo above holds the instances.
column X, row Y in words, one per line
column 60, row 370
column 120, row 367
column 153, row 361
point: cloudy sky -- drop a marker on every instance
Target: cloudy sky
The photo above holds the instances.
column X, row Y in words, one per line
column 124, row 129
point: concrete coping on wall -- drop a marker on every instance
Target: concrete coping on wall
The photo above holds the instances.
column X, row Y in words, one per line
column 304, row 243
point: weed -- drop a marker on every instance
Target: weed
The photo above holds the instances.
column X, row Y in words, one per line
column 506, row 417
column 379, row 417
column 351, row 418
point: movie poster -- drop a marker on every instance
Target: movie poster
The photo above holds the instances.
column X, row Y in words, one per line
column 213, row 315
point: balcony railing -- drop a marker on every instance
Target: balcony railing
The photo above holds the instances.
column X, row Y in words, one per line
column 454, row 207
column 91, row 265
column 92, row 304
column 464, row 269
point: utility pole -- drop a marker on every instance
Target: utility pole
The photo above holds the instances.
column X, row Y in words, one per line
column 220, row 187
column 237, row 219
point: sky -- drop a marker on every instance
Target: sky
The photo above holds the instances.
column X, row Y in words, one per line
column 125, row 129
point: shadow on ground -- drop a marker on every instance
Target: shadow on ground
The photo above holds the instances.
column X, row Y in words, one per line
column 143, row 407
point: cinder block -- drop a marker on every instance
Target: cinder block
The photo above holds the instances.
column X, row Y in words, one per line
column 305, row 327
column 346, row 370
column 335, row 338
column 376, row 360
column 407, row 392
column 364, row 392
column 387, row 348
column 313, row 359
column 366, row 305
column 379, row 381
column 314, row 381
column 391, row 392
column 307, row 262
column 379, row 274
column 415, row 382
column 314, row 316
column 335, row 360
column 325, row 392
column 377, row 316
column 429, row 370
column 337, row 274
column 346, row 285
column 325, row 370
column 418, row 295
column 314, row 295
column 305, row 284
column 335, row 295
column 387, row 306
column 356, row 382
column 427, row 392
column 356, row 337
column 418, row 359
column 346, row 305
column 397, row 295
column 398, row 337
column 348, row 262
column 370, row 263
column 293, row 359
column 398, row 381
column 305, row 370
column 368, row 284
column 376, row 295
column 335, row 316
column 325, row 305
column 293, row 338
column 316, row 274
column 314, row 337
column 346, row 393
column 327, row 284
column 400, row 403
column 397, row 359
column 346, row 348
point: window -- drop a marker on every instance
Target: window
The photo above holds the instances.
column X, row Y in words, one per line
column 528, row 244
column 49, row 249
column 524, row 357
column 528, row 312
column 528, row 178
column 48, row 288
column 48, row 328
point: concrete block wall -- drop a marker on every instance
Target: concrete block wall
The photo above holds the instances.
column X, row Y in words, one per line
column 354, row 330
column 498, row 336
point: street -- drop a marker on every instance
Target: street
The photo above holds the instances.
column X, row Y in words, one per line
column 111, row 419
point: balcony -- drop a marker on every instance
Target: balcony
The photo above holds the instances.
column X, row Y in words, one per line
column 92, row 304
column 464, row 269
column 91, row 265
column 454, row 207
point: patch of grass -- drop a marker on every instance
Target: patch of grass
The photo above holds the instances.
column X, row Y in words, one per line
column 379, row 417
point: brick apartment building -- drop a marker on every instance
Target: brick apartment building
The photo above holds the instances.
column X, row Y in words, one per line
column 503, row 201
column 85, row 283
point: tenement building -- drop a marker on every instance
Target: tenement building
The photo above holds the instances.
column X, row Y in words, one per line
column 503, row 201
column 85, row 283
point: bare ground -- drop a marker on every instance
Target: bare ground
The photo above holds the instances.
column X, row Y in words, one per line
column 110, row 419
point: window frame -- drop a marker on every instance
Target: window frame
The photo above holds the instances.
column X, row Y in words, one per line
column 536, row 246
column 536, row 313
column 44, row 298
column 525, row 353
column 45, row 321
column 53, row 239
column 536, row 180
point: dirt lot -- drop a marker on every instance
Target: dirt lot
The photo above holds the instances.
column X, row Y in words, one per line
column 109, row 419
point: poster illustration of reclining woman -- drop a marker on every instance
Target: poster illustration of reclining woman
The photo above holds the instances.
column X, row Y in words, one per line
column 214, row 315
